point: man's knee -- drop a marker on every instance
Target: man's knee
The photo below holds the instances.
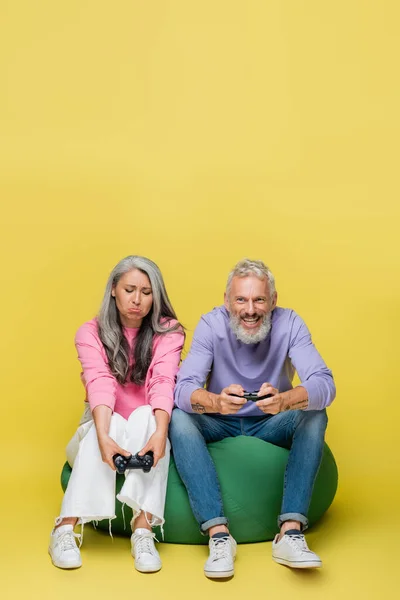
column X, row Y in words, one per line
column 182, row 424
column 314, row 420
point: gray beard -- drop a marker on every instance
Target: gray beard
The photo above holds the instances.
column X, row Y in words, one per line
column 245, row 336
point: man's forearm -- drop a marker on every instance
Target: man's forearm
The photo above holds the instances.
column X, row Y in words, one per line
column 203, row 401
column 295, row 399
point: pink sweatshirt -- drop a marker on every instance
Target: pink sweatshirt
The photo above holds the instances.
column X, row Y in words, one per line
column 103, row 388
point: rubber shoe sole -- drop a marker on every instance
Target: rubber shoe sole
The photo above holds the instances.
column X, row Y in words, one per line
column 310, row 564
column 219, row 574
column 147, row 568
column 66, row 565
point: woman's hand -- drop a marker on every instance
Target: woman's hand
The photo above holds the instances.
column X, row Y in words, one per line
column 108, row 448
column 156, row 444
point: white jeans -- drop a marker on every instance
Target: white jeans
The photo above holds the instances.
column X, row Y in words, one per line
column 90, row 494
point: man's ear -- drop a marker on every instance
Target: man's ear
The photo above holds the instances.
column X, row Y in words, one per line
column 226, row 302
column 274, row 300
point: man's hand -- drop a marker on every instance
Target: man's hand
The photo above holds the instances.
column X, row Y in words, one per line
column 295, row 399
column 228, row 404
column 203, row 401
column 108, row 448
column 269, row 406
column 156, row 444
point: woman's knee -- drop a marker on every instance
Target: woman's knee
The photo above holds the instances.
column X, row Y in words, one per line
column 142, row 413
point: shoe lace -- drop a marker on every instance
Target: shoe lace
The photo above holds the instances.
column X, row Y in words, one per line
column 67, row 540
column 298, row 542
column 144, row 543
column 220, row 548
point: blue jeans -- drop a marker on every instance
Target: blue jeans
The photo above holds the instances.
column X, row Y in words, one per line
column 300, row 431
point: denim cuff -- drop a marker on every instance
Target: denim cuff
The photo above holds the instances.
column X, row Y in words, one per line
column 204, row 527
column 293, row 517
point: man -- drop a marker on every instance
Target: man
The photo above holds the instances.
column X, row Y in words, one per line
column 250, row 344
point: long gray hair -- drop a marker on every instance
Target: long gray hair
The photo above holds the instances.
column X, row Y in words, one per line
column 156, row 322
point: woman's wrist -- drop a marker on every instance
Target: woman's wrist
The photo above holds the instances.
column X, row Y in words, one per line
column 162, row 428
column 102, row 435
column 162, row 421
column 102, row 418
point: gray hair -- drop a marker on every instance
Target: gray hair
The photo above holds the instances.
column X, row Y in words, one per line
column 156, row 322
column 246, row 267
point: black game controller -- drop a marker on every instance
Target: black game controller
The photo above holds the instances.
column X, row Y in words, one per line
column 252, row 396
column 123, row 463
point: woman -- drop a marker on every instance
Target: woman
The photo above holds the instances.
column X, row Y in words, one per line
column 129, row 356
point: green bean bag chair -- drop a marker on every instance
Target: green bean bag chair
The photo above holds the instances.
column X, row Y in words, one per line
column 251, row 477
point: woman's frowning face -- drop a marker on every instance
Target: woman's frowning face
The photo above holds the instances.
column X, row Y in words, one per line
column 133, row 297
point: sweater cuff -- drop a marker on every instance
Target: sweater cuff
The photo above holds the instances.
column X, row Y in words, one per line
column 313, row 393
column 162, row 402
column 182, row 399
column 99, row 398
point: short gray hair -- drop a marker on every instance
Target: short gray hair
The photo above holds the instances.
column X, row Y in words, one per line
column 246, row 267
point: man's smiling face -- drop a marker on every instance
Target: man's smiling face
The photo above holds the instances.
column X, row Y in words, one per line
column 250, row 304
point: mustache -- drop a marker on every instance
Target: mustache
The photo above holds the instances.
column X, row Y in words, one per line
column 246, row 337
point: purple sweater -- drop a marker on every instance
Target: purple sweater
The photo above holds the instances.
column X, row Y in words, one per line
column 218, row 358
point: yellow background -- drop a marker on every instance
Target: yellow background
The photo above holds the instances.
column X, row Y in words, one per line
column 197, row 133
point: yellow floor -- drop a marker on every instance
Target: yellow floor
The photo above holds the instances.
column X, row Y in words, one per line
column 359, row 549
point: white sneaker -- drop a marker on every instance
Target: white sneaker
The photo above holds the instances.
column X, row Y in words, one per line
column 221, row 558
column 147, row 559
column 292, row 551
column 63, row 550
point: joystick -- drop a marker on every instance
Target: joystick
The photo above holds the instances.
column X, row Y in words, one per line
column 252, row 396
column 124, row 463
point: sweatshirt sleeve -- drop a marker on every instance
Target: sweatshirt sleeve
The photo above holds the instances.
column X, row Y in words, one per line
column 196, row 367
column 314, row 375
column 162, row 372
column 100, row 383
